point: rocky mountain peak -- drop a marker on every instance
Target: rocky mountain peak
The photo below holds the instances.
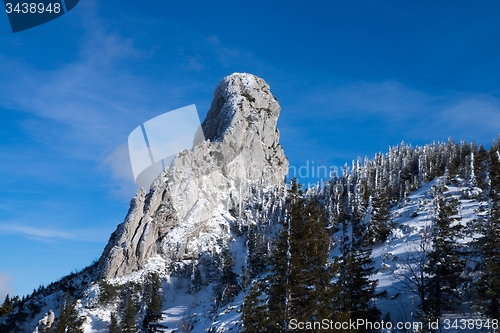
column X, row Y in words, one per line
column 237, row 97
column 187, row 209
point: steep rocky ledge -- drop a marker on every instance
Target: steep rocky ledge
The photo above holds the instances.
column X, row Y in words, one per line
column 187, row 209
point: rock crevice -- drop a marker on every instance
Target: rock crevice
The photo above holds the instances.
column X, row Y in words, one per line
column 188, row 206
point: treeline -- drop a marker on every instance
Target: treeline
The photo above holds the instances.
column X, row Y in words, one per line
column 293, row 277
column 443, row 272
column 383, row 181
column 18, row 310
column 357, row 205
column 303, row 284
column 136, row 307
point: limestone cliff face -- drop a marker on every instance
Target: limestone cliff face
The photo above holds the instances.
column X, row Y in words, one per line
column 187, row 208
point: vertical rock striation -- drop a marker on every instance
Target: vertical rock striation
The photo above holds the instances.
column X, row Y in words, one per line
column 187, row 208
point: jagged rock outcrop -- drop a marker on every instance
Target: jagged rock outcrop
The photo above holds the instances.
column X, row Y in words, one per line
column 45, row 324
column 188, row 207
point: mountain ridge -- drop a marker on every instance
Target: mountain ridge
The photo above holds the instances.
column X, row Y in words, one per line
column 241, row 146
column 215, row 214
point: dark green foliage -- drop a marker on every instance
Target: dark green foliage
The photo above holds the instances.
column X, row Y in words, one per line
column 487, row 287
column 301, row 280
column 480, row 168
column 255, row 314
column 356, row 270
column 113, row 324
column 446, row 263
column 310, row 273
column 151, row 285
column 107, row 293
column 69, row 320
column 379, row 226
column 196, row 280
column 29, row 306
column 228, row 286
column 12, row 321
column 257, row 252
column 360, row 209
column 61, row 320
column 153, row 314
column 465, row 158
column 128, row 324
column 278, row 282
column 153, row 299
column 8, row 305
column 454, row 162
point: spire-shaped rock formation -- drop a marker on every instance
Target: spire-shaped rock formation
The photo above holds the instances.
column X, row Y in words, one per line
column 187, row 209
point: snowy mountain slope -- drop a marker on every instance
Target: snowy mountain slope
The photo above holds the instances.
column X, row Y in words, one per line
column 191, row 199
column 204, row 217
column 413, row 219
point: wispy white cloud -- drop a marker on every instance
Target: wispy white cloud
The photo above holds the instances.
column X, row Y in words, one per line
column 6, row 286
column 98, row 96
column 227, row 55
column 90, row 97
column 191, row 63
column 473, row 112
column 389, row 98
column 86, row 106
column 48, row 234
column 414, row 112
column 41, row 233
column 89, row 105
column 118, row 162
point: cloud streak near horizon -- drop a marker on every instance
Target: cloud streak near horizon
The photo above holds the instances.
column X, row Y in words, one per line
column 6, row 286
column 48, row 234
column 411, row 112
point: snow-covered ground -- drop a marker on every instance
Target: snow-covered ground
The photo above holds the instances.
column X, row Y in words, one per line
column 391, row 256
column 412, row 217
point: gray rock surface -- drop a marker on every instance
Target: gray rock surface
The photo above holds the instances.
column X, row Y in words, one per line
column 45, row 324
column 187, row 209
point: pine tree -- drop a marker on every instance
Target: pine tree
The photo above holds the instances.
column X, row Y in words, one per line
column 255, row 314
column 257, row 252
column 228, row 286
column 113, row 324
column 69, row 320
column 465, row 158
column 453, row 162
column 7, row 306
column 196, row 280
column 379, row 226
column 278, row 283
column 356, row 271
column 151, row 292
column 311, row 274
column 487, row 287
column 479, row 167
column 301, row 280
column 128, row 324
column 153, row 313
column 61, row 320
column 73, row 319
column 446, row 263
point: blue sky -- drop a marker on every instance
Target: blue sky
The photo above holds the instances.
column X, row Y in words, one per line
column 352, row 78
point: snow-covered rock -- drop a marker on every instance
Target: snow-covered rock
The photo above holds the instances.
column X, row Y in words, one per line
column 188, row 207
column 45, row 323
